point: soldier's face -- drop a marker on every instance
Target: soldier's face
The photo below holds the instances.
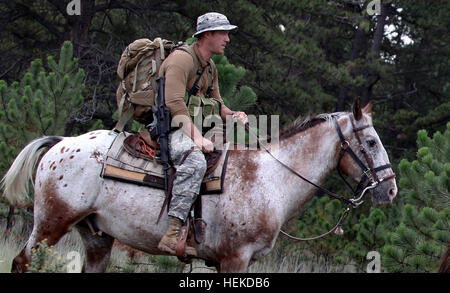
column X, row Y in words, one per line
column 217, row 41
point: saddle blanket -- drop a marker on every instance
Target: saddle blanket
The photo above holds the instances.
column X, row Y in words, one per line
column 122, row 166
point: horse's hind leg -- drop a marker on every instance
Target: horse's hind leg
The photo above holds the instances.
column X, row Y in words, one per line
column 46, row 229
column 98, row 250
column 52, row 220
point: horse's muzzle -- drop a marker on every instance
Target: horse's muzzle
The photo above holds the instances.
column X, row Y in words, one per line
column 385, row 192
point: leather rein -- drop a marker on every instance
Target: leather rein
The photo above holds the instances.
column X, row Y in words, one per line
column 369, row 173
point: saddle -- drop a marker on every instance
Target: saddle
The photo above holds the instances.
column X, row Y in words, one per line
column 142, row 146
column 134, row 158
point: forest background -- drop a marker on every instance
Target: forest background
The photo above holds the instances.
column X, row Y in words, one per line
column 293, row 58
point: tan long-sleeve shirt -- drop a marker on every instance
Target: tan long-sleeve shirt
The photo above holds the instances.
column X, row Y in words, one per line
column 180, row 74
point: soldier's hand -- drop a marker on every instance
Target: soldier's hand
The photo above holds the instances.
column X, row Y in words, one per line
column 241, row 117
column 207, row 146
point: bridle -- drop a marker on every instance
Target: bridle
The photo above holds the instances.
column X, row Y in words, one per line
column 369, row 170
column 369, row 173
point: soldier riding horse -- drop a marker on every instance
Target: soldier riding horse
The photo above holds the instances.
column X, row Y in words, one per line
column 262, row 191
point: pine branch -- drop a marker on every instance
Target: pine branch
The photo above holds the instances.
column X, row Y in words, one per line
column 27, row 12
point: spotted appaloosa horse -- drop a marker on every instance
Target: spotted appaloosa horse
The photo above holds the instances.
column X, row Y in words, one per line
column 243, row 222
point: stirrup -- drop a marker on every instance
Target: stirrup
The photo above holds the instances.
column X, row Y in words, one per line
column 182, row 250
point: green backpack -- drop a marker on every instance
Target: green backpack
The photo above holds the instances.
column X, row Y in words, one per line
column 138, row 70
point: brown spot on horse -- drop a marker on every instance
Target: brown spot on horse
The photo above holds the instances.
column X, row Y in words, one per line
column 248, row 166
column 59, row 215
column 98, row 156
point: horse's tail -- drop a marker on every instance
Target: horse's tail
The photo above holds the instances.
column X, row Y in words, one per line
column 15, row 183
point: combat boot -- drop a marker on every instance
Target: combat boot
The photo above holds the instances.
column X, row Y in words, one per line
column 170, row 240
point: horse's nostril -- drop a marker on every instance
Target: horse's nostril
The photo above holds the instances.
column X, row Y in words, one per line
column 392, row 193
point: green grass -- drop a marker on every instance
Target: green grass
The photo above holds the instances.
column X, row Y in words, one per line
column 8, row 250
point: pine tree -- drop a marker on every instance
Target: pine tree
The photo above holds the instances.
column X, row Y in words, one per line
column 368, row 233
column 424, row 232
column 235, row 97
column 230, row 76
column 39, row 104
column 318, row 217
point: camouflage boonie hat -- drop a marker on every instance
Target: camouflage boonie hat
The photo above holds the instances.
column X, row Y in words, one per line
column 213, row 21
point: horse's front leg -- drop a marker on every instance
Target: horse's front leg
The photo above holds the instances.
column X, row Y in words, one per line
column 98, row 249
column 235, row 262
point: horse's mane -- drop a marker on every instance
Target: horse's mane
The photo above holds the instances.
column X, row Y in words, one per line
column 303, row 123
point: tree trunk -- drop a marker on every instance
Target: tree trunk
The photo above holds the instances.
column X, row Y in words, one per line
column 357, row 46
column 371, row 76
column 79, row 26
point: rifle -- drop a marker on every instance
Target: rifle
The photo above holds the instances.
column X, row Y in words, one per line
column 162, row 129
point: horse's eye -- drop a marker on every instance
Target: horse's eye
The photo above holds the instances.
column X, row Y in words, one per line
column 371, row 143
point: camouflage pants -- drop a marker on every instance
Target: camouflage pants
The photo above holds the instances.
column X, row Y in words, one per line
column 189, row 176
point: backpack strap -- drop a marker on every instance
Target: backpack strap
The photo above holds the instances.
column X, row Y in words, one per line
column 197, row 65
column 190, row 51
column 126, row 116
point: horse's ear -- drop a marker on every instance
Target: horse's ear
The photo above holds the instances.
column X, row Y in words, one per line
column 357, row 112
column 368, row 108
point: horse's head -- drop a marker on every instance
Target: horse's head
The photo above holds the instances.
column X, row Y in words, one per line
column 364, row 159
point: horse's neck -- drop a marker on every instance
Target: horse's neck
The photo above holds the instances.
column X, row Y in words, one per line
column 311, row 153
